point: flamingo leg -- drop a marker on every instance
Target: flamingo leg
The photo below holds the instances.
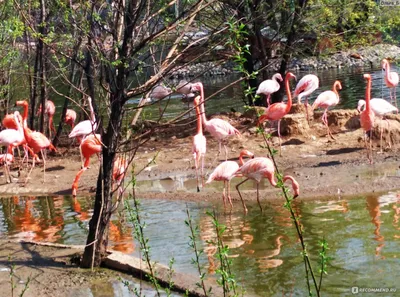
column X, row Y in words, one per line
column 268, row 100
column 229, row 193
column 202, row 170
column 196, row 164
column 258, row 197
column 44, row 166
column 306, row 106
column 389, row 144
column 76, row 181
column 240, row 195
column 226, row 152
column 33, row 165
column 224, row 194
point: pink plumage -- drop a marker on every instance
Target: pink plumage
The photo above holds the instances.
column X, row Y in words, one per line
column 327, row 99
column 259, row 168
column 306, row 85
column 50, row 110
column 85, row 127
column 277, row 111
column 70, row 117
column 269, row 86
column 199, row 146
column 391, row 80
column 218, row 128
column 367, row 117
column 225, row 172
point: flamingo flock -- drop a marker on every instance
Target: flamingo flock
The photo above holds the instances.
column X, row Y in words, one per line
column 17, row 133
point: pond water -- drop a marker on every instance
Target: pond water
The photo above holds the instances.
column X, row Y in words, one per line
column 232, row 98
column 363, row 234
column 352, row 80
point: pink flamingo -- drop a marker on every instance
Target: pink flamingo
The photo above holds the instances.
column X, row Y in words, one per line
column 50, row 110
column 380, row 107
column 218, row 128
column 70, row 117
column 391, row 80
column 199, row 145
column 9, row 122
column 225, row 172
column 328, row 99
column 269, row 86
column 259, row 168
column 6, row 158
column 306, row 85
column 85, row 127
column 119, row 172
column 38, row 142
column 367, row 117
column 89, row 146
column 277, row 111
column 10, row 138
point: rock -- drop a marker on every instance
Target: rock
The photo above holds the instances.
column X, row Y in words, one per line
column 295, row 124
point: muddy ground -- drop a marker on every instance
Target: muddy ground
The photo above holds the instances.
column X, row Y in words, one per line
column 322, row 166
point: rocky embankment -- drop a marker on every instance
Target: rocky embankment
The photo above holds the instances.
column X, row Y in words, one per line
column 370, row 56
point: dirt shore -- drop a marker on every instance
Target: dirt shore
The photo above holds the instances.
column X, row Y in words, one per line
column 323, row 167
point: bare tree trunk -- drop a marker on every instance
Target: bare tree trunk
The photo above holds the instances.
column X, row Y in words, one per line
column 97, row 240
column 41, row 51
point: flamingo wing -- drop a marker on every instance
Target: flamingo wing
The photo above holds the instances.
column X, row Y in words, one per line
column 224, row 171
column 267, row 87
column 221, row 129
column 326, row 99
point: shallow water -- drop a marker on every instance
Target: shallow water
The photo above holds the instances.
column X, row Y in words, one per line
column 363, row 236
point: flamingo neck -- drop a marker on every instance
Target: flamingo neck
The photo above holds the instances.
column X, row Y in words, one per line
column 387, row 68
column 336, row 87
column 241, row 162
column 368, row 96
column 295, row 184
column 288, row 94
column 199, row 126
column 27, row 134
column 202, row 110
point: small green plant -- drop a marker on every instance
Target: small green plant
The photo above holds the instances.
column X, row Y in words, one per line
column 13, row 284
column 194, row 232
column 227, row 278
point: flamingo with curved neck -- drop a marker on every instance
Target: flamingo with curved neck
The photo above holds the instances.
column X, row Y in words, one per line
column 218, row 128
column 225, row 172
column 367, row 117
column 327, row 99
column 277, row 111
column 391, row 80
column 259, row 168
column 199, row 146
column 270, row 86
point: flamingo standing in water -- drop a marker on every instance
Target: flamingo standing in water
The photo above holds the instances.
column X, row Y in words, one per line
column 89, row 146
column 367, row 117
column 218, row 128
column 269, row 86
column 306, row 85
column 391, row 80
column 381, row 108
column 10, row 138
column 199, row 146
column 50, row 110
column 328, row 99
column 259, row 168
column 277, row 111
column 225, row 172
column 70, row 117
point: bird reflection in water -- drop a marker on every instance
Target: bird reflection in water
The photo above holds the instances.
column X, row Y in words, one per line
column 266, row 261
column 374, row 210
